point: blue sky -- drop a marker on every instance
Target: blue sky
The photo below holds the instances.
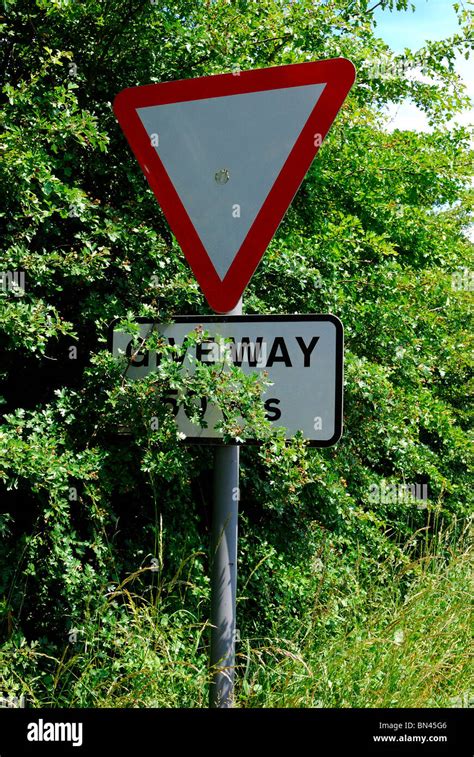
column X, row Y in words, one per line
column 434, row 20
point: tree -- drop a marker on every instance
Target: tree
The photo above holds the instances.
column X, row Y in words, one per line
column 375, row 235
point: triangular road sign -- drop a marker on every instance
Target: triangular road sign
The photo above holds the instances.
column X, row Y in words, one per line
column 225, row 155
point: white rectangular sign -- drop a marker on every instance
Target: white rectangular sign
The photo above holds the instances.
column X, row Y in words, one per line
column 302, row 354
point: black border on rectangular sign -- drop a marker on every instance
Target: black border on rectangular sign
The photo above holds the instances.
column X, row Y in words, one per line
column 246, row 318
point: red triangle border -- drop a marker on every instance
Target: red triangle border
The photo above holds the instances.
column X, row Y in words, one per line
column 338, row 74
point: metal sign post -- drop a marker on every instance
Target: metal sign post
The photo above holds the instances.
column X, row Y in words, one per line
column 302, row 355
column 225, row 509
column 224, row 156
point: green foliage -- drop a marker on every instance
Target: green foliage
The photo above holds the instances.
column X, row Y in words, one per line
column 396, row 649
column 94, row 494
column 391, row 648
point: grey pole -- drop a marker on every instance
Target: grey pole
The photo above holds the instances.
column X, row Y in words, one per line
column 224, row 569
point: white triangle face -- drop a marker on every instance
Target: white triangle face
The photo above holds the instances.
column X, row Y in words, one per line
column 244, row 140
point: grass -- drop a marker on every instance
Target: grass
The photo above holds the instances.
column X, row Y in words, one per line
column 415, row 652
column 401, row 649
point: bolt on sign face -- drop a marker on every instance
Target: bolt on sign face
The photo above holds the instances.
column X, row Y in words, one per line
column 302, row 355
column 225, row 155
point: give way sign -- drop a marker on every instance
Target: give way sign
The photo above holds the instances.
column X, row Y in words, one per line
column 225, row 155
column 301, row 355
